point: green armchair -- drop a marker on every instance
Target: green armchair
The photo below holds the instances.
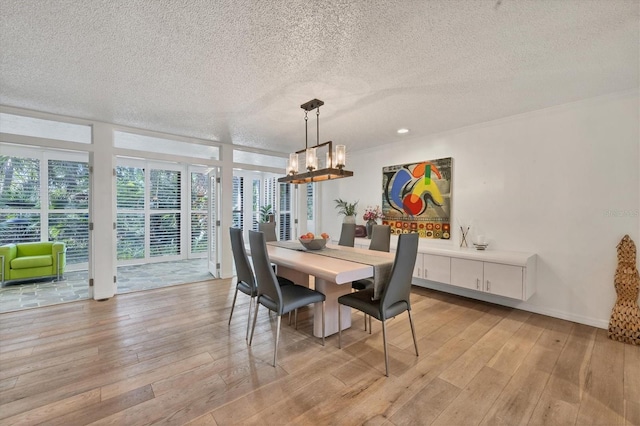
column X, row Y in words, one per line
column 22, row 261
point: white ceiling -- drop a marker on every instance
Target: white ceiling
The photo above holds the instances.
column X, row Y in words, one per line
column 237, row 71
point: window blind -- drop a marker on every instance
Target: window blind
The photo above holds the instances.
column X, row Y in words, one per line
column 199, row 214
column 238, row 202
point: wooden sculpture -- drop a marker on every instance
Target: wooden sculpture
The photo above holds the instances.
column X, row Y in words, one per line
column 624, row 325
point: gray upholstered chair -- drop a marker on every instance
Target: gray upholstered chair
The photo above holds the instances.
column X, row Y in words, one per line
column 380, row 241
column 380, row 238
column 269, row 229
column 279, row 299
column 246, row 281
column 395, row 297
column 347, row 235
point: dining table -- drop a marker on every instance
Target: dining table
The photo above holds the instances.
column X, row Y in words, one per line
column 333, row 269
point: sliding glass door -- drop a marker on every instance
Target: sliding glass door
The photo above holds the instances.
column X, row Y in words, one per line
column 166, row 212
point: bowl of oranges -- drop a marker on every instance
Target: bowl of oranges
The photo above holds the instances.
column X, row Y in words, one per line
column 310, row 242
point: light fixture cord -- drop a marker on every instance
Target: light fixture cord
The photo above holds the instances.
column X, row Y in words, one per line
column 306, row 131
column 318, row 126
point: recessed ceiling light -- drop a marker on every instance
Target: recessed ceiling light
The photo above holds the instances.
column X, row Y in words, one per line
column 403, row 131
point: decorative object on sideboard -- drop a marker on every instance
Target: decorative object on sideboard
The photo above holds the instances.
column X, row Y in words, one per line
column 347, row 209
column 361, row 231
column 464, row 233
column 334, row 163
column 480, row 243
column 371, row 216
column 624, row 325
column 416, row 197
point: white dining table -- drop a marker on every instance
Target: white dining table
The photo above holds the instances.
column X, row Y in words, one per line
column 333, row 278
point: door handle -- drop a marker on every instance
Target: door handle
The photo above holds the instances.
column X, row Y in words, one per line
column 488, row 285
column 478, row 283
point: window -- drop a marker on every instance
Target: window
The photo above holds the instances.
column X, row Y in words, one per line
column 238, row 202
column 285, row 211
column 255, row 205
column 199, row 213
column 311, row 224
column 165, row 213
column 61, row 213
column 256, row 159
column 68, row 217
column 19, row 199
column 160, row 223
column 144, row 143
column 310, row 201
column 130, row 197
column 37, row 127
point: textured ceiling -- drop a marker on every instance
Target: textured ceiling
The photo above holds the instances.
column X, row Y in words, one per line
column 237, row 71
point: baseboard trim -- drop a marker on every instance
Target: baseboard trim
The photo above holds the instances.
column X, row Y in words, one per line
column 512, row 303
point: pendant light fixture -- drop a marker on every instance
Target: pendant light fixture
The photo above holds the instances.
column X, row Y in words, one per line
column 334, row 162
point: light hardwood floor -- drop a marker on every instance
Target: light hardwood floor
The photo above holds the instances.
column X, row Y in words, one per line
column 167, row 356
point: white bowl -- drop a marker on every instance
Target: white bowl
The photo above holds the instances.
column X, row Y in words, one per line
column 315, row 244
column 481, row 246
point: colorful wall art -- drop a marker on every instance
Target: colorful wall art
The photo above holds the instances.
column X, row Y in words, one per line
column 416, row 197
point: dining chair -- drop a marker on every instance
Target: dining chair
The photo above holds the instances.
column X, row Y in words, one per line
column 347, row 235
column 380, row 238
column 246, row 280
column 269, row 229
column 380, row 241
column 279, row 299
column 395, row 297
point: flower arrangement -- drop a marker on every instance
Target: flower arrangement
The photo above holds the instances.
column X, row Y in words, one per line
column 372, row 213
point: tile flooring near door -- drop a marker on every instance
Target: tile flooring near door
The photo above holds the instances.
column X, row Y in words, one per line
column 75, row 284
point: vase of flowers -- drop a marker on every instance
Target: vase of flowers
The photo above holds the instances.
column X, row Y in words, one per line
column 371, row 215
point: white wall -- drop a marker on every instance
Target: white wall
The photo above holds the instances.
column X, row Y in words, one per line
column 561, row 182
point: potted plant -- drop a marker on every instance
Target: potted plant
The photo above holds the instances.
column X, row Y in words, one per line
column 266, row 213
column 347, row 209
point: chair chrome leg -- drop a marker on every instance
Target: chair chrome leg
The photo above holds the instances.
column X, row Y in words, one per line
column 295, row 316
column 413, row 332
column 339, row 326
column 289, row 318
column 233, row 304
column 365, row 322
column 369, row 324
column 255, row 317
column 249, row 317
column 386, row 355
column 323, row 322
column 275, row 350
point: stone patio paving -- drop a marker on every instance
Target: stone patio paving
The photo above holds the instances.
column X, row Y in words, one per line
column 75, row 284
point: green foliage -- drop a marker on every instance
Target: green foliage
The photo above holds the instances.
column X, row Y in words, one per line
column 265, row 212
column 346, row 208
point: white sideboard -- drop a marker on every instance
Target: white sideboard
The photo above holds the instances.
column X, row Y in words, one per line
column 502, row 273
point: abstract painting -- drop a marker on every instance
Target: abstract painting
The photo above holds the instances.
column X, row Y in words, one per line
column 416, row 197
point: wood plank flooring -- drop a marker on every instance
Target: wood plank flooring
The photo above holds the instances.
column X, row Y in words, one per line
column 168, row 356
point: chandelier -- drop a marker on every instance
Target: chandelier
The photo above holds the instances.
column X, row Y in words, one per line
column 334, row 162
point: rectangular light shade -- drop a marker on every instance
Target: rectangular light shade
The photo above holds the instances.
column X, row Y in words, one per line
column 341, row 156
